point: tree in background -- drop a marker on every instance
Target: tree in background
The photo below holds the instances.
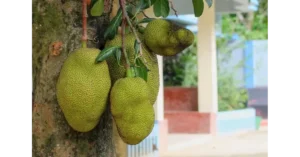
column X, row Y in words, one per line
column 249, row 26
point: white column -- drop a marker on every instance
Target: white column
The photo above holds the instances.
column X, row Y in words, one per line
column 207, row 62
column 159, row 105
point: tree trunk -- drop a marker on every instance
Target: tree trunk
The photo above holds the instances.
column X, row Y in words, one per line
column 56, row 31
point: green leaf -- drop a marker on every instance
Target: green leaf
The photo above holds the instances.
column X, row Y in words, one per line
column 152, row 2
column 161, row 8
column 142, row 5
column 209, row 3
column 113, row 26
column 136, row 47
column 130, row 15
column 118, row 56
column 129, row 9
column 198, row 7
column 141, row 29
column 145, row 4
column 107, row 52
column 146, row 20
column 93, row 2
column 97, row 8
column 141, row 70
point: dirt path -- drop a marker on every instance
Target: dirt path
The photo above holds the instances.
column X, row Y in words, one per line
column 250, row 144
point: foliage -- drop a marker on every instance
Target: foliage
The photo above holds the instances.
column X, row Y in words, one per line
column 126, row 16
column 250, row 26
column 230, row 95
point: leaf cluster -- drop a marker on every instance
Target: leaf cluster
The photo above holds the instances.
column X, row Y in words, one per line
column 161, row 8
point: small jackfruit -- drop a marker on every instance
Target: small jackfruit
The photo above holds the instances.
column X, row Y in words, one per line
column 117, row 71
column 166, row 38
column 131, row 109
column 82, row 89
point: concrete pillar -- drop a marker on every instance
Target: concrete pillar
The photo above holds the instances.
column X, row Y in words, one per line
column 207, row 66
column 159, row 111
column 159, row 105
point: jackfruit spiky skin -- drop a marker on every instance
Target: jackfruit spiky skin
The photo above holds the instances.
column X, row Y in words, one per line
column 131, row 109
column 82, row 89
column 167, row 39
column 117, row 72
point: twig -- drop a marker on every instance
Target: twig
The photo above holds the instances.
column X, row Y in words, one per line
column 125, row 15
column 122, row 4
column 132, row 28
column 172, row 7
column 241, row 18
column 84, row 23
column 145, row 14
column 134, row 32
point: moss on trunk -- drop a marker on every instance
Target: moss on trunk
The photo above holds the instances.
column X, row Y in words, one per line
column 56, row 31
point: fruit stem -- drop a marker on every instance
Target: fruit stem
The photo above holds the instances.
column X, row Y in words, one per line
column 84, row 23
column 125, row 15
column 122, row 5
column 133, row 30
column 130, row 72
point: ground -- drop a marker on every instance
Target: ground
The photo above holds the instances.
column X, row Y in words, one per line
column 246, row 144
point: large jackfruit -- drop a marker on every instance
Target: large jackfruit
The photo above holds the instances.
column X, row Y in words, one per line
column 131, row 109
column 166, row 38
column 117, row 71
column 82, row 89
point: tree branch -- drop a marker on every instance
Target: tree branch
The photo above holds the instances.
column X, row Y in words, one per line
column 241, row 18
column 84, row 23
column 145, row 14
column 122, row 5
column 132, row 28
column 172, row 7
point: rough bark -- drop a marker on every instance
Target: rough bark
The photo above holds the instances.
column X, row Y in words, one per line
column 56, row 31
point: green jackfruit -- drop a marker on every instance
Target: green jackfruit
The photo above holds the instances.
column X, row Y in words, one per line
column 117, row 71
column 166, row 38
column 82, row 89
column 131, row 109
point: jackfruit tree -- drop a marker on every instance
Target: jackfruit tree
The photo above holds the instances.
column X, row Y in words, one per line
column 95, row 73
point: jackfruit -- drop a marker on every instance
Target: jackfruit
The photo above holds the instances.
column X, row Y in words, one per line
column 166, row 38
column 131, row 109
column 117, row 71
column 82, row 89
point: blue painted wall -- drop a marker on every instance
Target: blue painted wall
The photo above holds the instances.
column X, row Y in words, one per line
column 260, row 59
column 248, row 67
column 235, row 121
column 256, row 63
column 254, row 72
